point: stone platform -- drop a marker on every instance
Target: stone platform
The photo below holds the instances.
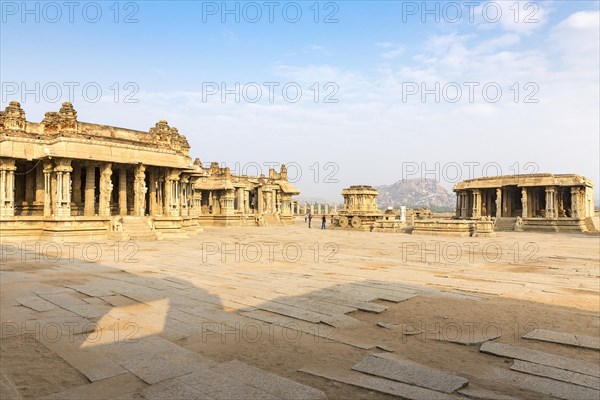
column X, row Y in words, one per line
column 461, row 228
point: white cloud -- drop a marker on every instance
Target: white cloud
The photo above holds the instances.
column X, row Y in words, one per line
column 519, row 17
column 576, row 40
column 318, row 49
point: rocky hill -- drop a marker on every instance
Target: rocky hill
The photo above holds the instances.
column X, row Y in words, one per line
column 416, row 193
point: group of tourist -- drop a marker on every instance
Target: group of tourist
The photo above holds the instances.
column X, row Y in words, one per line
column 308, row 218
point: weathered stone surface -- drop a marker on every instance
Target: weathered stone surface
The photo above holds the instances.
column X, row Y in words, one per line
column 465, row 338
column 36, row 303
column 220, row 386
column 64, row 300
column 483, row 394
column 94, row 366
column 405, row 329
column 154, row 359
column 8, row 389
column 320, row 330
column 548, row 387
column 392, row 367
column 350, row 302
column 569, row 339
column 173, row 389
column 104, row 389
column 278, row 386
column 376, row 383
column 539, row 357
column 98, row 290
column 556, row 373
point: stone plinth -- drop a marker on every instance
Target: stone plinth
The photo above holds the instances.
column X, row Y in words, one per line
column 462, row 228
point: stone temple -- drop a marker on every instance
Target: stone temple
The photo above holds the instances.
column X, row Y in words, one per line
column 62, row 177
column 550, row 202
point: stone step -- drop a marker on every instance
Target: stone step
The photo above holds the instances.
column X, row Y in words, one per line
column 505, row 224
column 138, row 229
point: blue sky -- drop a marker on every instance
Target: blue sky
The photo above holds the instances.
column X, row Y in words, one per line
column 370, row 58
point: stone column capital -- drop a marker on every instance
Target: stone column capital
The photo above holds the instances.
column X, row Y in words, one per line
column 8, row 164
column 63, row 165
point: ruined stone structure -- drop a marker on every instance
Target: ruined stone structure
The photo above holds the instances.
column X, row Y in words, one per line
column 528, row 202
column 462, row 228
column 62, row 177
column 389, row 223
column 360, row 209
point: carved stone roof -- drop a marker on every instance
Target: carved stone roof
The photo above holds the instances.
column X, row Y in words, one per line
column 525, row 180
column 62, row 135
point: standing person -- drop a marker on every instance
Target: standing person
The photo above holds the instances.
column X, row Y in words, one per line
column 332, row 220
column 323, row 221
column 305, row 217
column 309, row 219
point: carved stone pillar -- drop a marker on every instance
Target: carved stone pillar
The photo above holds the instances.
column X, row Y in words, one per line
column 122, row 191
column 139, row 191
column 90, row 188
column 160, row 195
column 76, row 195
column 172, row 194
column 464, row 205
column 228, row 202
column 106, row 188
column 319, row 209
column 246, row 202
column 196, row 198
column 457, row 206
column 575, row 206
column 152, row 190
column 62, row 201
column 550, row 199
column 304, row 208
column 184, row 200
column 7, row 187
column 556, row 205
column 267, row 196
column 39, row 184
column 498, row 203
column 476, row 203
column 240, row 200
column 312, row 208
column 524, row 202
column 259, row 201
column 48, row 168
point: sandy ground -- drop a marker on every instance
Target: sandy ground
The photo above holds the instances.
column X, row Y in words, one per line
column 463, row 287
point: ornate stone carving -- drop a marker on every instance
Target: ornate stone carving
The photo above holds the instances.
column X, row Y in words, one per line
column 106, row 188
column 64, row 121
column 140, row 189
column 165, row 136
column 13, row 118
column 68, row 118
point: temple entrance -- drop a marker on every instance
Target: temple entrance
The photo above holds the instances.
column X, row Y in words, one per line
column 488, row 203
column 511, row 202
column 25, row 189
column 564, row 203
column 536, row 202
